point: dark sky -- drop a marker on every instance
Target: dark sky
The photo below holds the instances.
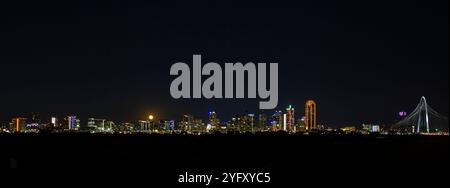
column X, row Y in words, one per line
column 360, row 61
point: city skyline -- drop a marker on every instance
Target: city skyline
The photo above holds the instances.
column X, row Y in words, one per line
column 226, row 91
column 205, row 116
column 113, row 60
column 269, row 120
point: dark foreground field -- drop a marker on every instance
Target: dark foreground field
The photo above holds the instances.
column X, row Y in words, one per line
column 264, row 152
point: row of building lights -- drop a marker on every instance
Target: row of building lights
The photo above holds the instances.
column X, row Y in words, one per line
column 284, row 122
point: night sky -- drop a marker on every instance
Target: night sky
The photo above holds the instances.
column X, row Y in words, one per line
column 360, row 61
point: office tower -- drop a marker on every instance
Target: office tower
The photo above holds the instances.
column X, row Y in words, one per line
column 54, row 121
column 251, row 122
column 246, row 123
column 198, row 126
column 144, row 126
column 126, row 127
column 110, row 126
column 186, row 123
column 169, row 125
column 72, row 122
column 310, row 115
column 35, row 118
column 213, row 121
column 18, row 124
column 77, row 124
column 262, row 121
column 277, row 120
column 301, row 126
column 233, row 124
column 290, row 119
column 97, row 125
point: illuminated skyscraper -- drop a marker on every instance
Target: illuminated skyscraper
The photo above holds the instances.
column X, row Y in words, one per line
column 110, row 126
column 54, row 121
column 187, row 122
column 97, row 125
column 126, row 127
column 251, row 122
column 169, row 125
column 246, row 123
column 290, row 118
column 72, row 122
column 301, row 126
column 262, row 121
column 310, row 115
column 19, row 124
column 277, row 120
column 213, row 121
column 198, row 126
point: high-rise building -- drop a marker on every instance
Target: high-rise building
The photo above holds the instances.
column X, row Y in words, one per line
column 190, row 124
column 72, row 122
column 198, row 126
column 54, row 121
column 144, row 126
column 126, row 127
column 277, row 120
column 233, row 124
column 100, row 125
column 169, row 125
column 250, row 119
column 242, row 123
column 4, row 128
column 186, row 123
column 18, row 124
column 262, row 121
column 213, row 121
column 77, row 124
column 245, row 122
column 109, row 126
column 301, row 126
column 35, row 118
column 290, row 112
column 310, row 115
column 370, row 128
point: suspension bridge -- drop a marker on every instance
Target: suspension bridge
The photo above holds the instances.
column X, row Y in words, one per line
column 423, row 119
